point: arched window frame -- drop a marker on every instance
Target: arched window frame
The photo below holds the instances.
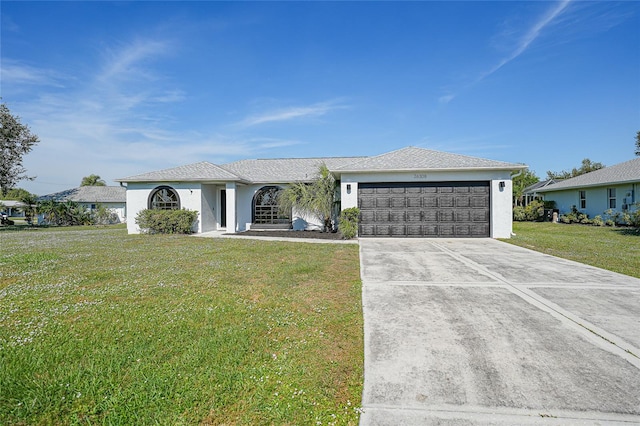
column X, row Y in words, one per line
column 165, row 205
column 267, row 213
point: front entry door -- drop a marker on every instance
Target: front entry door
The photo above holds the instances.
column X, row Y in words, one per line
column 223, row 208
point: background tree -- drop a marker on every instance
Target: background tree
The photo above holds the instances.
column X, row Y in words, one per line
column 586, row 167
column 92, row 180
column 520, row 182
column 30, row 205
column 317, row 198
column 17, row 194
column 16, row 140
column 638, row 143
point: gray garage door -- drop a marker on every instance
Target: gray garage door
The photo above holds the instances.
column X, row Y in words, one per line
column 421, row 209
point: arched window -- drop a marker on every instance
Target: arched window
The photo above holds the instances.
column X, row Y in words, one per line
column 164, row 198
column 266, row 210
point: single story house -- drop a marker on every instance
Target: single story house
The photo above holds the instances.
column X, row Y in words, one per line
column 412, row 192
column 614, row 187
column 12, row 208
column 113, row 198
column 530, row 193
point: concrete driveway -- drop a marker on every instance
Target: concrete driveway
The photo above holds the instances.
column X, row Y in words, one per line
column 477, row 331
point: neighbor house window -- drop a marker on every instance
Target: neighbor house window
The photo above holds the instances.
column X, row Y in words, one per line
column 164, row 198
column 583, row 199
column 611, row 194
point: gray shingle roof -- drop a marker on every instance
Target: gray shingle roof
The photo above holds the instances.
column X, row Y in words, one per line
column 202, row 171
column 413, row 158
column 629, row 171
column 284, row 170
column 536, row 186
column 90, row 194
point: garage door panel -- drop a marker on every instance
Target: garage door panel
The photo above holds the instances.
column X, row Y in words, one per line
column 383, row 230
column 430, row 215
column 446, row 230
column 398, row 202
column 397, row 216
column 366, row 230
column 430, row 230
column 414, row 230
column 383, row 202
column 367, row 216
column 479, row 202
column 366, row 202
column 463, row 230
column 446, row 216
column 426, row 209
column 398, row 230
column 463, row 201
column 413, row 216
column 430, row 201
column 479, row 216
column 414, row 202
column 446, row 201
column 480, row 230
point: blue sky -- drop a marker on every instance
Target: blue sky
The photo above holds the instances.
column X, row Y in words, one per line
column 121, row 88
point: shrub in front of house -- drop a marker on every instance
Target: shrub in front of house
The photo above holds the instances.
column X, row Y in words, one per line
column 348, row 222
column 166, row 221
column 518, row 214
column 534, row 212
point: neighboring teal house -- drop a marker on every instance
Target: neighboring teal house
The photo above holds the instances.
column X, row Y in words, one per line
column 615, row 187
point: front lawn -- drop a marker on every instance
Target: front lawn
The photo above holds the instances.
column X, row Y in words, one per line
column 615, row 249
column 97, row 326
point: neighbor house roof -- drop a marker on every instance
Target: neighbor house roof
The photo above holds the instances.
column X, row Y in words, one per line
column 629, row 171
column 90, row 194
column 536, row 186
column 414, row 158
column 203, row 171
column 284, row 170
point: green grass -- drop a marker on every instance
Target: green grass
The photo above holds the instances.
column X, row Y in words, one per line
column 615, row 249
column 97, row 326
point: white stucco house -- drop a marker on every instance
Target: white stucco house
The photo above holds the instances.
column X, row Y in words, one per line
column 613, row 187
column 113, row 198
column 411, row 192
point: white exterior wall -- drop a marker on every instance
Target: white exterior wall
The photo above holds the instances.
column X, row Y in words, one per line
column 208, row 211
column 596, row 197
column 190, row 195
column 501, row 199
column 245, row 196
column 118, row 208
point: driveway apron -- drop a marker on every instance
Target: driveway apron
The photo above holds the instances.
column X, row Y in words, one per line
column 477, row 331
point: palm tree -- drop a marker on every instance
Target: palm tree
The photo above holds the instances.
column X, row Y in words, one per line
column 92, row 180
column 316, row 198
column 30, row 202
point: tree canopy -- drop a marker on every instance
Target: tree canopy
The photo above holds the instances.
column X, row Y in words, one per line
column 92, row 180
column 586, row 167
column 16, row 140
column 520, row 182
column 638, row 143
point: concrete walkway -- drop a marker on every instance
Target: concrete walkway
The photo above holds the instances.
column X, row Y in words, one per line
column 469, row 332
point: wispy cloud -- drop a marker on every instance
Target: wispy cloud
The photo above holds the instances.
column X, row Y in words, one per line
column 292, row 113
column 522, row 43
column 16, row 73
column 529, row 37
column 128, row 61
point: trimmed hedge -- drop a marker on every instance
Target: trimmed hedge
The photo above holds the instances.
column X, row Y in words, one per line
column 166, row 221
